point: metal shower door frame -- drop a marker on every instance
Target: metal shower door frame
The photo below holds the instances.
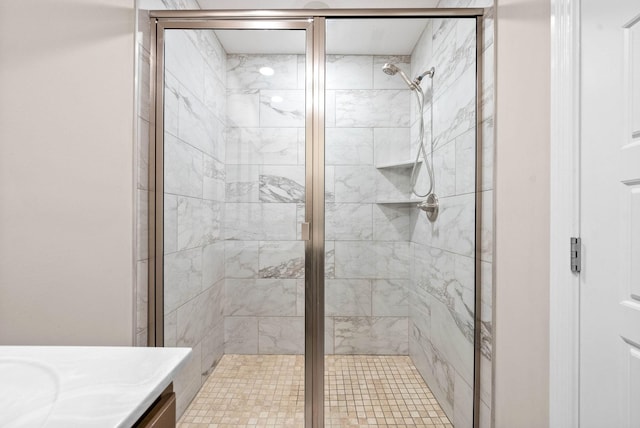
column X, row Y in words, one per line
column 313, row 23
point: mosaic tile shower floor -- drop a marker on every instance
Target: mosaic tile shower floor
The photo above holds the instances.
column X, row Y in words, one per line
column 268, row 391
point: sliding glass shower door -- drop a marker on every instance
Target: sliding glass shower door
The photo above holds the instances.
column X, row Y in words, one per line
column 315, row 217
column 233, row 121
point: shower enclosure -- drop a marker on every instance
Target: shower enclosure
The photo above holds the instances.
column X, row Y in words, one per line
column 290, row 149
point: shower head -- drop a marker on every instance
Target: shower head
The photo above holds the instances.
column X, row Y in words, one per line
column 392, row 69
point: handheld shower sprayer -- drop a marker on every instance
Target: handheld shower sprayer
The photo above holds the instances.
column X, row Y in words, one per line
column 430, row 205
column 392, row 70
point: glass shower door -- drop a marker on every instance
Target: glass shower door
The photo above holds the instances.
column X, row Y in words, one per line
column 233, row 123
column 399, row 280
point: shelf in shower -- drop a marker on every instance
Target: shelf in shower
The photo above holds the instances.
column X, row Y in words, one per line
column 398, row 202
column 399, row 164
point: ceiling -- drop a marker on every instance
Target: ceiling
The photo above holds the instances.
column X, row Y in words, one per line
column 344, row 36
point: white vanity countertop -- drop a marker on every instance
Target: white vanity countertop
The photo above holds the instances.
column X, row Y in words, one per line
column 69, row 386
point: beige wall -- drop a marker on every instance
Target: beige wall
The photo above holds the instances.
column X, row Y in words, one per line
column 522, row 214
column 66, row 171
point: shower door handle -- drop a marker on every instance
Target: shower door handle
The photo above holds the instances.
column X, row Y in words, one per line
column 306, row 231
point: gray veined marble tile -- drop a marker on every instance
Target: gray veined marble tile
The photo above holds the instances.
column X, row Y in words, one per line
column 329, row 259
column 189, row 380
column 391, row 145
column 212, row 349
column 462, row 403
column 454, row 230
column 241, row 259
column 183, row 168
column 486, row 228
column 375, row 260
column 349, row 72
column 242, row 183
column 197, row 125
column 281, row 335
column 190, row 316
column 282, row 108
column 328, row 336
column 348, row 222
column 391, row 223
column 300, row 301
column 454, row 55
column 255, row 222
column 183, row 60
column 215, row 96
column 142, row 154
column 243, row 71
column 487, row 153
column 355, row 184
column 170, row 329
column 281, row 259
column 277, row 146
column 300, row 218
column 444, row 170
column 241, row 335
column 302, row 71
column 444, row 377
column 214, row 54
column 371, row 335
column 282, row 183
column 213, row 179
column 329, row 184
column 142, row 224
column 171, row 102
column 347, row 297
column 142, row 301
column 466, row 162
column 454, row 112
column 170, row 223
column 279, row 222
column 260, row 297
column 422, row 54
column 450, row 279
column 213, row 264
column 330, row 109
column 199, row 222
column 390, row 297
column 486, row 313
column 349, row 146
column 243, row 108
column 182, row 277
column 453, row 347
column 372, row 108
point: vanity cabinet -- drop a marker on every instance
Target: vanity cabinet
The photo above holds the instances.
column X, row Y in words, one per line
column 162, row 413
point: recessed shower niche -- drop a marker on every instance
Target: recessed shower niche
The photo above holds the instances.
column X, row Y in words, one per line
column 291, row 160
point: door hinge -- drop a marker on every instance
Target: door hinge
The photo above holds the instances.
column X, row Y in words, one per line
column 576, row 254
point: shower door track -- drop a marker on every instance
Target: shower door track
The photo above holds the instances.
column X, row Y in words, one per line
column 312, row 21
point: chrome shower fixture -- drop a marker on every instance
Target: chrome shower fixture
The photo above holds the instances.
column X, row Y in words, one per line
column 430, row 72
column 392, row 70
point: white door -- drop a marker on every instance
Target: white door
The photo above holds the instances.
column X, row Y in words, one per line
column 610, row 214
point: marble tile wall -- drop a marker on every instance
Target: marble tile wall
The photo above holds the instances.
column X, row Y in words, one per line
column 366, row 290
column 441, row 313
column 265, row 190
column 142, row 176
column 194, row 209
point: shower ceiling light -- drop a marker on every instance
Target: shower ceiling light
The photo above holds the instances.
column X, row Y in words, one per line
column 266, row 71
column 276, row 99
